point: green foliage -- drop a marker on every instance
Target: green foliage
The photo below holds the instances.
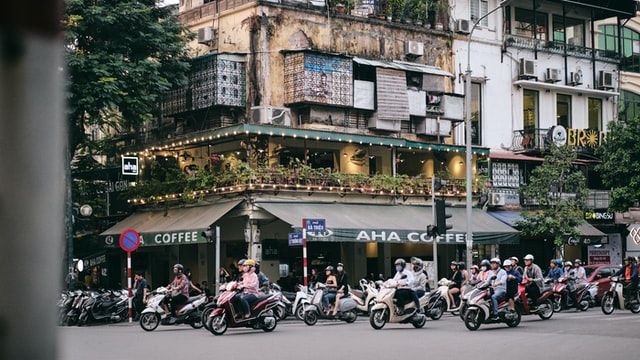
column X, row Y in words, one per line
column 559, row 188
column 620, row 168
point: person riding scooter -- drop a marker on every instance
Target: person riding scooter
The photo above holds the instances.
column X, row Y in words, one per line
column 499, row 285
column 456, row 283
column 630, row 273
column 179, row 289
column 534, row 274
column 343, row 287
column 331, row 284
column 419, row 281
column 404, row 279
column 249, row 286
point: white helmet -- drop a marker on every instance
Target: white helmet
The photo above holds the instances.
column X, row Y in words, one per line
column 528, row 257
column 507, row 262
column 495, row 260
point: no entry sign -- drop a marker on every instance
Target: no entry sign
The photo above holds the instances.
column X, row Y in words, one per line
column 129, row 240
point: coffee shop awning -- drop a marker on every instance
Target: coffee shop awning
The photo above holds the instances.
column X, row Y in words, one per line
column 172, row 226
column 389, row 223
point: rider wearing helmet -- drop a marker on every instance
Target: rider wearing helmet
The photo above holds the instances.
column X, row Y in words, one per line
column 331, row 288
column 179, row 288
column 513, row 279
column 499, row 285
column 456, row 279
column 555, row 270
column 404, row 279
column 581, row 275
column 534, row 274
column 419, row 281
column 485, row 266
column 249, row 286
column 514, row 264
column 630, row 274
column 343, row 287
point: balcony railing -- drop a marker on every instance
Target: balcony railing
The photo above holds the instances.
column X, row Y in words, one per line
column 559, row 47
column 532, row 139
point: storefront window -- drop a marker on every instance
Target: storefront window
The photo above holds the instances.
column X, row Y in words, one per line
column 563, row 110
column 595, row 113
column 528, row 25
column 530, row 109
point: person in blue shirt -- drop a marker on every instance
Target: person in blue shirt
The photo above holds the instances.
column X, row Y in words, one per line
column 555, row 270
column 513, row 279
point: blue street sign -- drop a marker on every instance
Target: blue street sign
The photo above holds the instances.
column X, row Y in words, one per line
column 129, row 240
column 315, row 225
column 295, row 239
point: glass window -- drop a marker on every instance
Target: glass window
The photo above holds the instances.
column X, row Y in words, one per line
column 568, row 30
column 530, row 109
column 563, row 110
column 595, row 113
column 629, row 105
column 608, row 41
column 476, row 113
column 479, row 8
column 524, row 24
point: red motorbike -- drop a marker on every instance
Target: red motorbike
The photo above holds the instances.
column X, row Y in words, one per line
column 225, row 315
column 542, row 306
column 561, row 299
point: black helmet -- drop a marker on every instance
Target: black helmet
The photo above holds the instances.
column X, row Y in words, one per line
column 179, row 267
column 400, row 261
column 630, row 258
column 462, row 265
column 329, row 268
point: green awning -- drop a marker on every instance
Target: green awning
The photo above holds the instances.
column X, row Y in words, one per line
column 171, row 227
column 389, row 223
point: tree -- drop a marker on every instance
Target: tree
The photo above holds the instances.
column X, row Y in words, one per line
column 121, row 55
column 620, row 168
column 559, row 189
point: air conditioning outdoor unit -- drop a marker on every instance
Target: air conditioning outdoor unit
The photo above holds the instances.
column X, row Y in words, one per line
column 463, row 26
column 553, row 75
column 206, row 35
column 605, row 80
column 415, row 48
column 576, row 78
column 271, row 115
column 527, row 69
column 496, row 199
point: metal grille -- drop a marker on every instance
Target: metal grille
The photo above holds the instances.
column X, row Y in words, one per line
column 318, row 78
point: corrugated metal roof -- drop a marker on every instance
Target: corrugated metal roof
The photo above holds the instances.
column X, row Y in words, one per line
column 406, row 66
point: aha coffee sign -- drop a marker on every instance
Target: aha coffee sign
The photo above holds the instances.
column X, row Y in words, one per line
column 129, row 165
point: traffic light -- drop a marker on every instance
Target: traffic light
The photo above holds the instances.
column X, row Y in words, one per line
column 441, row 218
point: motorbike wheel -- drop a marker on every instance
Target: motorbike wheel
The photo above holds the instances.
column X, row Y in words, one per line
column 557, row 304
column 351, row 316
column 370, row 305
column 218, row 324
column 607, row 304
column 310, row 318
column 280, row 313
column 300, row 312
column 463, row 309
column 438, row 310
column 149, row 321
column 270, row 326
column 196, row 321
column 205, row 317
column 473, row 318
column 420, row 323
column 378, row 319
column 516, row 321
column 634, row 305
column 583, row 305
column 545, row 309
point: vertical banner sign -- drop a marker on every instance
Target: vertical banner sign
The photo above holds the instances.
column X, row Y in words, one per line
column 129, row 242
column 314, row 226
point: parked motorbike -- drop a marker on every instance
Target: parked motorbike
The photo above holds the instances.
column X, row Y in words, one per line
column 542, row 306
column 106, row 306
column 614, row 298
column 563, row 287
column 439, row 302
column 365, row 297
column 284, row 306
column 315, row 310
column 300, row 301
column 386, row 310
column 187, row 313
column 226, row 316
column 479, row 310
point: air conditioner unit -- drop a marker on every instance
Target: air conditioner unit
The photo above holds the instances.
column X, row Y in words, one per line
column 463, row 26
column 553, row 75
column 576, row 78
column 206, row 35
column 271, row 115
column 496, row 199
column 415, row 48
column 605, row 80
column 527, row 69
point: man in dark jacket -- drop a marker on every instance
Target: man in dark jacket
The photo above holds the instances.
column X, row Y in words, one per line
column 630, row 273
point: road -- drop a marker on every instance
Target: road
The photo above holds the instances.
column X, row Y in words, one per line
column 588, row 335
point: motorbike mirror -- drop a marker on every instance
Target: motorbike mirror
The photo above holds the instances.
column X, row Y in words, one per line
column 80, row 265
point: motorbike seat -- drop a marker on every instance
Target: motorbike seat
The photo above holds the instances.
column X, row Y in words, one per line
column 108, row 303
column 356, row 292
column 192, row 299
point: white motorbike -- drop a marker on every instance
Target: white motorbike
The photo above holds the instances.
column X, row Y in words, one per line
column 300, row 301
column 365, row 298
column 614, row 298
column 315, row 310
column 187, row 313
column 386, row 310
column 439, row 302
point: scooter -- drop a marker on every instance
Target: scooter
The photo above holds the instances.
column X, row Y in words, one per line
column 468, row 290
column 479, row 310
column 226, row 316
column 300, row 301
column 386, row 309
column 542, row 306
column 561, row 290
column 109, row 306
column 314, row 310
column 439, row 302
column 284, row 307
column 614, row 298
column 366, row 297
column 187, row 313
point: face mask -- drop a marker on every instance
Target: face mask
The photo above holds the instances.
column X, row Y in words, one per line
column 399, row 268
column 175, row 272
column 340, row 268
column 483, row 268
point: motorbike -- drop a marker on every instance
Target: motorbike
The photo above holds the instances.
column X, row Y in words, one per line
column 284, row 307
column 439, row 302
column 479, row 310
column 468, row 290
column 187, row 313
column 225, row 315
column 300, row 301
column 563, row 287
column 107, row 306
column 542, row 306
column 614, row 298
column 365, row 297
column 315, row 310
column 386, row 309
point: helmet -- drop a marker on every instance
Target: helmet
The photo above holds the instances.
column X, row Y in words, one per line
column 179, row 267
column 249, row 262
column 462, row 265
column 400, row 261
column 328, row 268
column 475, row 267
column 630, row 258
column 496, row 260
column 241, row 262
column 485, row 262
column 568, row 263
column 506, row 262
column 416, row 261
column 340, row 264
column 514, row 258
column 558, row 262
column 578, row 261
column 528, row 257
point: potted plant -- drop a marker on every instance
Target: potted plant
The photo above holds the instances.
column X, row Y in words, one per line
column 395, row 9
column 419, row 13
column 440, row 10
column 340, row 8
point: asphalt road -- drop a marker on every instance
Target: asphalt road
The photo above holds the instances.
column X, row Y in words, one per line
column 588, row 335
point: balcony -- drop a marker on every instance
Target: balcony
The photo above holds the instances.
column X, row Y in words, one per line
column 559, row 47
column 531, row 139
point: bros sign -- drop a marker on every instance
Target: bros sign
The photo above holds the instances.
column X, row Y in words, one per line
column 586, row 138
